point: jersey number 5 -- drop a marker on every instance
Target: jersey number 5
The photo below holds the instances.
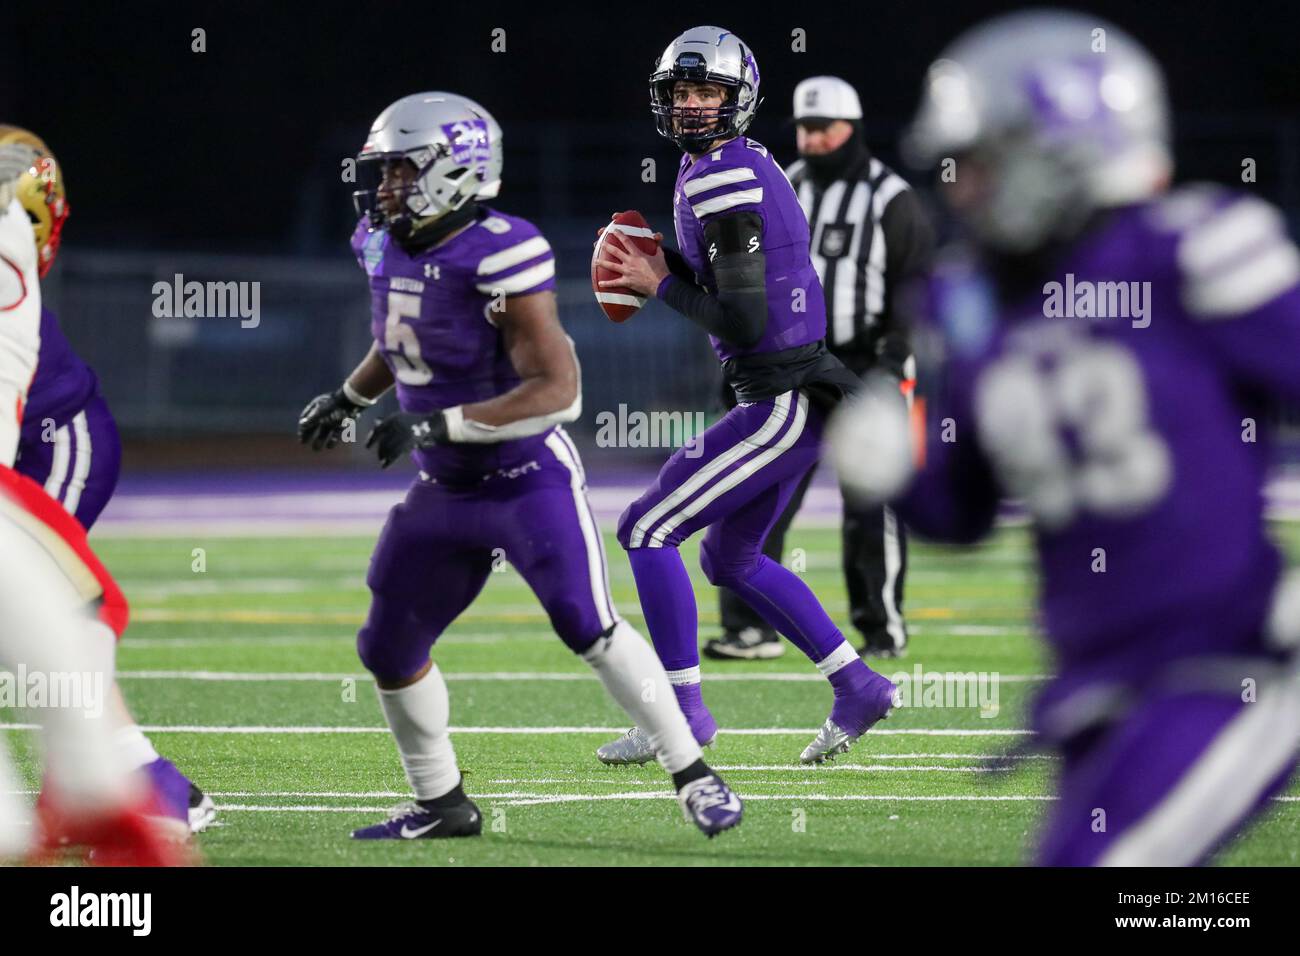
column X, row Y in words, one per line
column 400, row 340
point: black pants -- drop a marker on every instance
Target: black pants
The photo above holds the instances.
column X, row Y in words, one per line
column 874, row 556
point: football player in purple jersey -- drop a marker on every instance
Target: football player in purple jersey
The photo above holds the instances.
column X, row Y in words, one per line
column 1102, row 354
column 465, row 327
column 69, row 444
column 744, row 275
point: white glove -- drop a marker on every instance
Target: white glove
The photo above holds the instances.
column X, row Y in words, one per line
column 869, row 441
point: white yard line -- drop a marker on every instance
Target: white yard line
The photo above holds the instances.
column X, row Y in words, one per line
column 737, row 731
column 562, row 676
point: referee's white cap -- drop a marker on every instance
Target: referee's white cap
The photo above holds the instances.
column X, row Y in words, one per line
column 826, row 98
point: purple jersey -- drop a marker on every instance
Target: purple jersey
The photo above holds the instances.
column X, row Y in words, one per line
column 1117, row 402
column 432, row 315
column 63, row 384
column 740, row 176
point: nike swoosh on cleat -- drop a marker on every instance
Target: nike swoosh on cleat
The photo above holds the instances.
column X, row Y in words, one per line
column 409, row 834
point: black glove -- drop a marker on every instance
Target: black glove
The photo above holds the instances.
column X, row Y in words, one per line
column 322, row 421
column 398, row 434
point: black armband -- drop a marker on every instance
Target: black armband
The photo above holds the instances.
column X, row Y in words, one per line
column 737, row 314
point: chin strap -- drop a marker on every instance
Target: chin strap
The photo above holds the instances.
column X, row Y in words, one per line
column 420, row 236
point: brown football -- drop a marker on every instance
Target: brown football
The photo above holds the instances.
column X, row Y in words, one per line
column 617, row 303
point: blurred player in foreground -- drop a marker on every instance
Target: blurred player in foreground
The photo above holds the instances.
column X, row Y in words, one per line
column 465, row 325
column 69, row 444
column 51, row 586
column 744, row 275
column 1105, row 353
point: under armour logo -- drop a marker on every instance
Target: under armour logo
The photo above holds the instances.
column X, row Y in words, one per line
column 431, row 270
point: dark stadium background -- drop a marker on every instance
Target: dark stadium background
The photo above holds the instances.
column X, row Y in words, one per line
column 226, row 165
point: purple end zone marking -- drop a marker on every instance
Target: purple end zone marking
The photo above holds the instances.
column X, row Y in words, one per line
column 146, row 503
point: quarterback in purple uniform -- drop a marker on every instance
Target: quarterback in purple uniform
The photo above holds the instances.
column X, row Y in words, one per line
column 69, row 444
column 465, row 327
column 1102, row 357
column 743, row 274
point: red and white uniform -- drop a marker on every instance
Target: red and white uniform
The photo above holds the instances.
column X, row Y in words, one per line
column 20, row 323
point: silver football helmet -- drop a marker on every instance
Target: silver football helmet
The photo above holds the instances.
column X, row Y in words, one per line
column 455, row 146
column 1059, row 113
column 705, row 55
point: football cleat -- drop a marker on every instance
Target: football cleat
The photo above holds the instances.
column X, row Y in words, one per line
column 747, row 644
column 202, row 811
column 862, row 710
column 634, row 746
column 882, row 644
column 710, row 804
column 410, row 821
column 830, row 740
column 122, row 837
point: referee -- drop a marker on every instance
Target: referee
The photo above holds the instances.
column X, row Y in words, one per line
column 869, row 234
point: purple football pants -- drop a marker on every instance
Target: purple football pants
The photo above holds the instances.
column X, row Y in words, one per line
column 441, row 545
column 1185, row 760
column 736, row 481
column 78, row 463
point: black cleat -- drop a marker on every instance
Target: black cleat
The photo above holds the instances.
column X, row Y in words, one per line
column 747, row 644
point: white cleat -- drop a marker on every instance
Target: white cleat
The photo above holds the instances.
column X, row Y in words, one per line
column 202, row 810
column 830, row 741
column 632, row 748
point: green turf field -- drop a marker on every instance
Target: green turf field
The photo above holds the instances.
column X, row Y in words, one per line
column 246, row 675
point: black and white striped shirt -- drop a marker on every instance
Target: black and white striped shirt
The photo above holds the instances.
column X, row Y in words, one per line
column 868, row 233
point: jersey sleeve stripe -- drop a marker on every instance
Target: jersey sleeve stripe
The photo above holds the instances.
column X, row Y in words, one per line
column 1214, row 243
column 712, row 181
column 1246, row 285
column 742, row 197
column 520, row 281
column 500, row 261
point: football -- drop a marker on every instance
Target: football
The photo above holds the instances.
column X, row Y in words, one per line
column 617, row 303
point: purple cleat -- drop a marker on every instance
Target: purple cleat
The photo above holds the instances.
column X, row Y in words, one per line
column 710, row 804
column 852, row 715
column 187, row 809
column 411, row 821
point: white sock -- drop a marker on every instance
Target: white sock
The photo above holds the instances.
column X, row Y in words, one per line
column 101, row 644
column 16, row 833
column 418, row 716
column 630, row 670
column 134, row 747
column 43, row 627
column 837, row 659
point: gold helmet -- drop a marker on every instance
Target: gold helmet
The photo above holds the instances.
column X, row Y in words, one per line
column 40, row 190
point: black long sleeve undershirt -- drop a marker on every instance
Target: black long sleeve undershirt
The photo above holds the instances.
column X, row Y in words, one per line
column 737, row 314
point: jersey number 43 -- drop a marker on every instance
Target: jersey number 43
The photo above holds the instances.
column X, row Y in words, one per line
column 1118, row 465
